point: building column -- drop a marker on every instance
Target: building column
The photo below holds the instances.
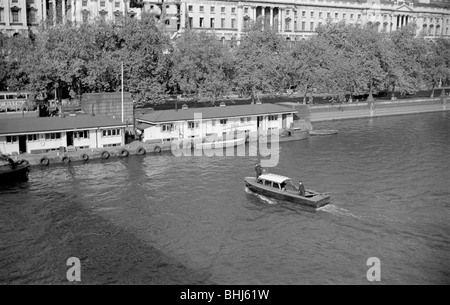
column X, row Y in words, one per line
column 183, row 16
column 44, row 10
column 281, row 19
column 263, row 15
column 54, row 11
column 63, row 9
column 72, row 11
column 240, row 20
column 271, row 16
column 7, row 13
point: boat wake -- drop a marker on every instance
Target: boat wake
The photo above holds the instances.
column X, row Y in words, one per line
column 338, row 211
column 261, row 197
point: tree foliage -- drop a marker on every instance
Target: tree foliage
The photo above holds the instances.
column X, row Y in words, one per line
column 341, row 60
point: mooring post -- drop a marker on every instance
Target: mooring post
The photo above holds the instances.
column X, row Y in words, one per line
column 443, row 98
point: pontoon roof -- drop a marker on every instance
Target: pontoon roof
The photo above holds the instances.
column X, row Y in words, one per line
column 274, row 178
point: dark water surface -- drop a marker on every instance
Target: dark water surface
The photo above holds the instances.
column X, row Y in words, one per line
column 168, row 220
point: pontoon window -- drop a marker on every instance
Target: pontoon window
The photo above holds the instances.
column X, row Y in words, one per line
column 268, row 183
column 276, row 185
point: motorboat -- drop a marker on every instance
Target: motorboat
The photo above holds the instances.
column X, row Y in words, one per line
column 281, row 187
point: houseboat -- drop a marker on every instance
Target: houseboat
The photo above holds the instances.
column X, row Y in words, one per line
column 43, row 135
column 252, row 121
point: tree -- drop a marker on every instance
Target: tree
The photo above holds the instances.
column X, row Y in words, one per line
column 404, row 55
column 202, row 67
column 436, row 65
column 258, row 61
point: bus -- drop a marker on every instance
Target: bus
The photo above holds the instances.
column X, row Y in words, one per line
column 16, row 101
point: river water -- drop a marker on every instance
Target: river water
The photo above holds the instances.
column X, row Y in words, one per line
column 179, row 220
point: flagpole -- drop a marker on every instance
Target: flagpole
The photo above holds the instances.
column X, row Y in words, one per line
column 122, row 93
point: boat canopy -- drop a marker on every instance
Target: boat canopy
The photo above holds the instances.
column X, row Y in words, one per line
column 274, row 178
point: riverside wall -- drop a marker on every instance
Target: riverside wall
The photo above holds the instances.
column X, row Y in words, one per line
column 329, row 112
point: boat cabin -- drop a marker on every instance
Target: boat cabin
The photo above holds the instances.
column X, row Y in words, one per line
column 276, row 181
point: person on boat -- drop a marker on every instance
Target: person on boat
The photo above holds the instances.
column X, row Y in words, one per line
column 258, row 170
column 301, row 189
column 283, row 186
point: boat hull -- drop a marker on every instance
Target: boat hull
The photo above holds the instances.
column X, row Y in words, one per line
column 324, row 132
column 316, row 200
column 19, row 173
column 289, row 135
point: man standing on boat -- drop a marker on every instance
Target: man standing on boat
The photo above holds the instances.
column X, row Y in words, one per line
column 258, row 170
column 301, row 189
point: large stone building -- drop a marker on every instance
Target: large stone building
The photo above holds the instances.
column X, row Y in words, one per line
column 295, row 19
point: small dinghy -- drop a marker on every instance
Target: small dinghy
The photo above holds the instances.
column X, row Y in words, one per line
column 323, row 132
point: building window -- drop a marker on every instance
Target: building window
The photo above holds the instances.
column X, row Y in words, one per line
column 110, row 132
column 303, row 13
column 202, row 8
column 222, row 23
column 201, row 22
column 84, row 134
column 102, row 3
column 223, row 121
column 320, row 14
column 344, row 15
column 191, row 20
column 311, row 26
column 287, row 12
column 1, row 15
column 246, row 10
column 212, row 9
column 32, row 16
column 167, row 22
column 336, row 15
column 193, row 125
column 190, row 8
column 212, row 23
column 33, row 137
column 359, row 16
column 222, row 9
column 84, row 3
column 233, row 10
column 233, row 23
column 15, row 16
column 166, row 127
column 303, row 25
column 117, row 4
column 288, row 25
column 15, row 1
column 272, row 117
column 351, row 16
column 312, row 14
column 11, row 139
column 295, row 14
column 53, row 136
column 295, row 26
column 328, row 15
column 85, row 17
